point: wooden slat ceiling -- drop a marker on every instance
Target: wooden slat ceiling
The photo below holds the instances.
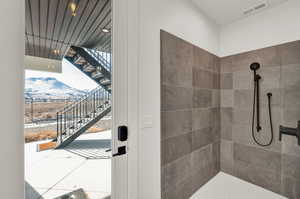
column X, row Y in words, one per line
column 51, row 27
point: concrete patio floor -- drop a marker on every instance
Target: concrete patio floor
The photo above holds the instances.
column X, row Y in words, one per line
column 84, row 164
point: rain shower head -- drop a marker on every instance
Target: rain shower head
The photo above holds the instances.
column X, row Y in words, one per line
column 254, row 66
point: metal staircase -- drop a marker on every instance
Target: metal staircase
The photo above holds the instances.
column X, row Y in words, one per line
column 79, row 116
column 94, row 64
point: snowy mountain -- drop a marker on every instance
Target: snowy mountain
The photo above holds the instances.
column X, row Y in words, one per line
column 49, row 88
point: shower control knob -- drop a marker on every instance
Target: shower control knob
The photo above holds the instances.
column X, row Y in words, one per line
column 290, row 131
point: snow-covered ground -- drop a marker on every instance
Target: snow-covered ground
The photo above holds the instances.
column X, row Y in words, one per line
column 52, row 173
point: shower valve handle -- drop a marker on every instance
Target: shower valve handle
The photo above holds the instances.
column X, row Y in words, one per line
column 290, row 131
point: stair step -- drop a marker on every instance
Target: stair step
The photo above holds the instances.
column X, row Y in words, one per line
column 71, row 53
column 80, row 60
column 88, row 68
column 97, row 75
column 105, row 81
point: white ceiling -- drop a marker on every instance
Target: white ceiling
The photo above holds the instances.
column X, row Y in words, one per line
column 227, row 11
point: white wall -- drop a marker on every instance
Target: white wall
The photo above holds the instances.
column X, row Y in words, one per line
column 274, row 26
column 11, row 106
column 180, row 18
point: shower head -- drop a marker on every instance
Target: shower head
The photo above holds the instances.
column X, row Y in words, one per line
column 254, row 66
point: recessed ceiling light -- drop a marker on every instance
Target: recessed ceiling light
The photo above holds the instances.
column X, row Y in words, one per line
column 73, row 7
column 105, row 30
column 56, row 52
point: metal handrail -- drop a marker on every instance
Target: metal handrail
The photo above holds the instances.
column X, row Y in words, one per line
column 81, row 99
column 78, row 114
column 99, row 58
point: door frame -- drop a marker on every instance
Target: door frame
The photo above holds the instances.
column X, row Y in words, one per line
column 125, row 111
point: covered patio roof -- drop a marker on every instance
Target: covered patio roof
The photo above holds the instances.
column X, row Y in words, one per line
column 51, row 28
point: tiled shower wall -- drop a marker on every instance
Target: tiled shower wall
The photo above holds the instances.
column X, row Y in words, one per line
column 190, row 117
column 276, row 167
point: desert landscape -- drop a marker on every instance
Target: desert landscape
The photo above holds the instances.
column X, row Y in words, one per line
column 42, row 111
column 43, row 126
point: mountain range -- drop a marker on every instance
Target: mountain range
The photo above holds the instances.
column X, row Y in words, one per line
column 49, row 88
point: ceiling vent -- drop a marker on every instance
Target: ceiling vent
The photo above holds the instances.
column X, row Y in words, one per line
column 255, row 8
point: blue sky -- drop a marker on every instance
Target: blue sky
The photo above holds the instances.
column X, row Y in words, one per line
column 70, row 75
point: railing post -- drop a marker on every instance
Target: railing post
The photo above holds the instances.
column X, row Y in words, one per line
column 61, row 127
column 76, row 115
column 57, row 126
column 73, row 118
column 65, row 123
column 94, row 105
column 86, row 106
column 80, row 113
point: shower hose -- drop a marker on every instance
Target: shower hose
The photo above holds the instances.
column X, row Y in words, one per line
column 270, row 117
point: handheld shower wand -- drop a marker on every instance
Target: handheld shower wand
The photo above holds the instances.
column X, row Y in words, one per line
column 254, row 67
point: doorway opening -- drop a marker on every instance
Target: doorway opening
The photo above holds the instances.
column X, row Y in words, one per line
column 68, row 99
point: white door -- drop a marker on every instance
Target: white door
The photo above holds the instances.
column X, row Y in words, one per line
column 124, row 98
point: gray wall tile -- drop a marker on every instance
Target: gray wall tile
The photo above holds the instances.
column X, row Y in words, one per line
column 226, row 131
column 176, row 98
column 226, row 81
column 242, row 116
column 226, row 116
column 290, row 53
column 291, row 97
column 181, row 191
column 266, row 57
column 176, row 123
column 243, row 79
column 291, row 166
column 258, row 175
column 177, row 61
column 226, row 64
column 291, row 147
column 190, row 117
column 202, row 138
column 202, row 158
column 202, row 78
column 258, row 157
column 202, row 118
column 270, row 77
column 290, row 187
column 204, row 59
column 227, row 156
column 291, row 76
column 216, row 98
column 226, row 98
column 177, row 171
column 216, row 155
column 203, row 176
column 202, row 98
column 176, row 147
column 243, row 99
column 216, row 81
column 280, row 66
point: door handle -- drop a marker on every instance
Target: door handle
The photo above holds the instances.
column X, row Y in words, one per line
column 121, row 151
